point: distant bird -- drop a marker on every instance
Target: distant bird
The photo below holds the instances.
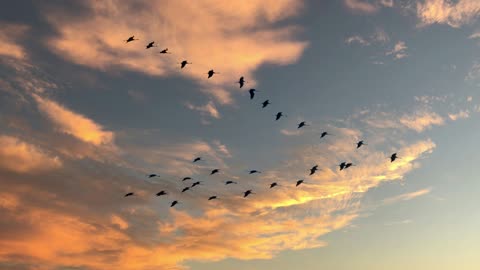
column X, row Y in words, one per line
column 252, row 92
column 186, row 178
column 393, row 157
column 241, row 81
column 266, row 103
column 173, row 203
column 246, row 193
column 229, row 182
column 197, row 159
column 184, row 63
column 214, row 171
column 130, row 39
column 254, row 171
column 129, row 194
column 302, row 124
column 153, row 175
column 279, row 115
column 324, row 134
column 195, row 184
column 274, row 184
column 313, row 169
column 211, row 72
column 299, row 182
column 360, row 143
column 150, row 45
column 163, row 192
column 164, row 51
column 185, row 189
column 342, row 165
column 348, row 165
column 212, row 198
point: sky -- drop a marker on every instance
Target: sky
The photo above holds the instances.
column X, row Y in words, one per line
column 85, row 117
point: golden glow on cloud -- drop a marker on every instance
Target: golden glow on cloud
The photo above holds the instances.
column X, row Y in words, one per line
column 453, row 13
column 9, row 36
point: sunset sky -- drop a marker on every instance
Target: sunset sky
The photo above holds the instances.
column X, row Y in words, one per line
column 85, row 117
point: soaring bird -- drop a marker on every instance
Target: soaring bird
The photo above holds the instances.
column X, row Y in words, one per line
column 211, row 72
column 150, row 45
column 130, row 39
column 299, row 182
column 129, row 194
column 254, row 171
column 173, row 203
column 163, row 192
column 266, row 103
column 185, row 189
column 246, row 193
column 214, row 171
column 184, row 63
column 393, row 157
column 229, row 182
column 164, row 51
column 302, row 124
column 241, row 81
column 342, row 165
column 197, row 159
column 313, row 169
column 279, row 115
column 324, row 134
column 153, row 175
column 212, row 198
column 274, row 184
column 196, row 184
column 252, row 92
column 186, row 178
column 348, row 165
column 360, row 143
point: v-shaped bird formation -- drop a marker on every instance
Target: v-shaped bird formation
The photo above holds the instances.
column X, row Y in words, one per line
column 252, row 93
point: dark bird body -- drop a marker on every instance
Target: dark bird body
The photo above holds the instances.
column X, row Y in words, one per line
column 254, row 171
column 184, row 63
column 246, row 193
column 265, row 103
column 211, row 72
column 212, row 198
column 360, row 143
column 161, row 193
column 185, row 189
column 173, row 203
column 153, row 175
column 241, row 81
column 252, row 93
column 299, row 182
column 195, row 184
column 230, row 182
column 348, row 165
column 150, row 45
column 130, row 39
column 313, row 169
column 393, row 157
column 274, row 184
column 342, row 165
column 186, row 178
column 302, row 124
column 197, row 159
column 129, row 194
column 324, row 134
column 214, row 171
column 278, row 116
column 164, row 51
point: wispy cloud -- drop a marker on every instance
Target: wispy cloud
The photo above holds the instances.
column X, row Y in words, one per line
column 366, row 6
column 420, row 121
column 453, row 13
column 399, row 50
column 10, row 35
column 460, row 115
column 207, row 109
column 408, row 196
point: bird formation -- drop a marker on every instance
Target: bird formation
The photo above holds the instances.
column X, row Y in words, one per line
column 252, row 92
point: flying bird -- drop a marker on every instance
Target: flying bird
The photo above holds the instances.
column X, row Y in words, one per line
column 229, row 182
column 254, row 171
column 163, row 192
column 211, row 72
column 348, row 165
column 153, row 175
column 173, row 203
column 129, row 194
column 197, row 159
column 212, row 198
column 195, row 184
column 266, row 103
column 186, row 178
column 299, row 182
column 360, row 143
column 185, row 189
column 214, row 171
column 241, row 81
column 393, row 157
column 342, row 165
column 184, row 63
column 164, row 51
column 324, row 134
column 150, row 45
column 274, row 184
column 246, row 193
column 130, row 39
column 279, row 115
column 252, row 92
column 302, row 124
column 313, row 169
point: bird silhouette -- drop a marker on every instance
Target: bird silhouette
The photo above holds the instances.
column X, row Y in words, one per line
column 342, row 165
column 197, row 159
column 196, row 184
column 254, row 171
column 150, row 45
column 161, row 193
column 360, row 143
column 274, row 184
column 211, row 72
column 212, row 198
column 186, row 178
column 229, row 182
column 214, row 171
column 252, row 92
column 246, row 193
column 393, row 157
column 313, row 169
column 266, row 103
column 241, row 81
column 299, row 182
column 173, row 203
column 130, row 39
column 129, row 194
column 184, row 63
column 164, row 51
column 324, row 134
column 279, row 115
column 348, row 165
column 185, row 189
column 302, row 124
column 153, row 175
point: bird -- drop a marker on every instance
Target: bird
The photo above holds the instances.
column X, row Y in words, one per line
column 195, row 184
column 129, row 194
column 302, row 124
column 211, row 72
column 246, row 193
column 150, row 45
column 348, row 165
column 212, row 198
column 274, row 184
column 185, row 189
column 130, row 39
column 184, row 63
column 342, row 165
column 186, row 178
column 360, row 143
column 164, row 51
column 252, row 92
column 153, row 175
column 265, row 103
column 241, row 81
column 324, row 134
column 254, row 171
column 279, row 115
column 313, row 169
column 393, row 157
column 230, row 182
column 173, row 203
column 163, row 192
column 214, row 171
column 299, row 182
column 197, row 159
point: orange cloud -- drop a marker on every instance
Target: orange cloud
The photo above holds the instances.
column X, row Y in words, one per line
column 19, row 156
column 366, row 6
column 421, row 120
column 10, row 34
column 454, row 14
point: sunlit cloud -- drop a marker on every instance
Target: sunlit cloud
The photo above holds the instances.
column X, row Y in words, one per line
column 398, row 51
column 207, row 109
column 453, row 13
column 421, row 120
column 460, row 115
column 357, row 39
column 408, row 196
column 367, row 6
column 10, row 35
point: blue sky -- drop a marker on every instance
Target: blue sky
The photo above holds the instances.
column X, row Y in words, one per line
column 85, row 117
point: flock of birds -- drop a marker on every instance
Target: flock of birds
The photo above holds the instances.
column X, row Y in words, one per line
column 342, row 166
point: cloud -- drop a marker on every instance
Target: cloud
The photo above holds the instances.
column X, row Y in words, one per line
column 460, row 115
column 420, row 121
column 473, row 73
column 207, row 109
column 366, row 6
column 287, row 132
column 21, row 157
column 10, row 35
column 398, row 51
column 357, row 39
column 73, row 123
column 234, row 38
column 452, row 13
column 408, row 196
